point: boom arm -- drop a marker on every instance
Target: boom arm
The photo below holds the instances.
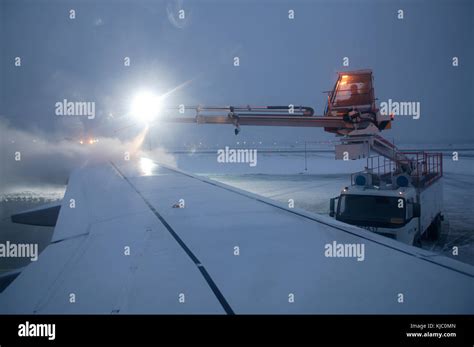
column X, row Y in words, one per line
column 301, row 116
column 351, row 112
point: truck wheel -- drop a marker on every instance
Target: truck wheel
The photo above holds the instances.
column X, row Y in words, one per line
column 434, row 230
column 417, row 240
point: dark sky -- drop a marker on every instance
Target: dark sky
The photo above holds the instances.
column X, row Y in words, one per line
column 282, row 61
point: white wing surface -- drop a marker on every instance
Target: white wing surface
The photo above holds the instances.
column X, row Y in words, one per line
column 121, row 245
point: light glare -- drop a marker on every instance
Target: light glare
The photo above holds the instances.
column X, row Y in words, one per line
column 147, row 166
column 146, row 106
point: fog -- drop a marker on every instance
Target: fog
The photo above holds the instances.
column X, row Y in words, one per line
column 47, row 162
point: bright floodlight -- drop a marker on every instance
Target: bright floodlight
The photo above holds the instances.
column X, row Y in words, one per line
column 146, row 106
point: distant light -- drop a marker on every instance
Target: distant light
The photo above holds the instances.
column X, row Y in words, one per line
column 146, row 106
column 344, row 76
column 90, row 141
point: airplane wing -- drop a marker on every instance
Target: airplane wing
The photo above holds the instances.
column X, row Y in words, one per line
column 122, row 245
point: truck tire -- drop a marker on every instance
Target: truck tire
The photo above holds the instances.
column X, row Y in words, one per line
column 434, row 230
column 417, row 240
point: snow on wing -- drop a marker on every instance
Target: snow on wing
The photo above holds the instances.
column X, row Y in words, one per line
column 126, row 248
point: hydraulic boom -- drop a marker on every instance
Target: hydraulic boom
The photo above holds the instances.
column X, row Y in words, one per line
column 351, row 113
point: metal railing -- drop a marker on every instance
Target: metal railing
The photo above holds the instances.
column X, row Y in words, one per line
column 426, row 167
